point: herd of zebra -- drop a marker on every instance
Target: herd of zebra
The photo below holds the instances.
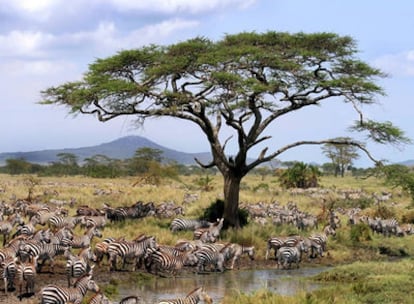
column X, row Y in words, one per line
column 34, row 234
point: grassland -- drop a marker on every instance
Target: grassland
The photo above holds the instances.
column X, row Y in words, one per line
column 373, row 269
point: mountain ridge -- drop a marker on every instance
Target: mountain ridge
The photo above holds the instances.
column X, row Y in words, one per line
column 121, row 148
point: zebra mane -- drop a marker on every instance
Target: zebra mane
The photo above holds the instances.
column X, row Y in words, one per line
column 195, row 290
column 89, row 275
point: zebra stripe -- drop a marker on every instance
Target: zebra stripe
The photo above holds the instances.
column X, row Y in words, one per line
column 78, row 265
column 8, row 273
column 130, row 300
column 6, row 226
column 99, row 298
column 179, row 224
column 169, row 260
column 280, row 241
column 43, row 252
column 26, row 273
column 207, row 257
column 135, row 249
column 53, row 294
column 193, row 297
column 84, row 241
column 288, row 255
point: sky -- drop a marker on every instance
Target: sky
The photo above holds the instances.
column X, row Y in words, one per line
column 46, row 43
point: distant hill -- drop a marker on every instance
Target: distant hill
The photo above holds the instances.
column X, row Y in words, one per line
column 408, row 163
column 121, row 148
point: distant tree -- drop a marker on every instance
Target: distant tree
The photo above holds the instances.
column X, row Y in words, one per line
column 240, row 84
column 329, row 168
column 398, row 176
column 144, row 158
column 341, row 156
column 17, row 166
column 102, row 166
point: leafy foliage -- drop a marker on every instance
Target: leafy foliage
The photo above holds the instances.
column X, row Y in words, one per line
column 300, row 175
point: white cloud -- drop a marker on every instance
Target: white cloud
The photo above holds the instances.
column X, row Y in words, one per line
column 179, row 6
column 24, row 43
column 400, row 64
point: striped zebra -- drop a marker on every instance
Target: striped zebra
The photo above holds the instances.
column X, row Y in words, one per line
column 94, row 221
column 84, row 241
column 322, row 238
column 179, row 224
column 99, row 298
column 8, row 272
column 63, row 236
column 6, row 226
column 209, row 257
column 234, row 251
column 211, row 234
column 136, row 250
column 280, row 241
column 195, row 296
column 130, row 300
column 101, row 249
column 292, row 254
column 43, row 252
column 169, row 261
column 26, row 275
column 54, row 294
column 80, row 264
column 59, row 221
column 29, row 228
column 387, row 227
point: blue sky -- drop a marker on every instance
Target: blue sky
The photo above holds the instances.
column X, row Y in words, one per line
column 48, row 42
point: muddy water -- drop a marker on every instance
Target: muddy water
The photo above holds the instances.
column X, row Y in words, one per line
column 285, row 282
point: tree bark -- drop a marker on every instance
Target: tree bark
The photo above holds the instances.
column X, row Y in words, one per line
column 231, row 200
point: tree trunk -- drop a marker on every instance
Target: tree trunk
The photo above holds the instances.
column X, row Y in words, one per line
column 231, row 200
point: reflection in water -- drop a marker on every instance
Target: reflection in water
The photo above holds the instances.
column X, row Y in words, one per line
column 285, row 282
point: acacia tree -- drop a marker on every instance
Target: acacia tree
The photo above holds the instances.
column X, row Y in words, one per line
column 242, row 83
column 341, row 156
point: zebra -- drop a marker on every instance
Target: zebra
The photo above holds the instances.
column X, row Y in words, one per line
column 78, row 265
column 235, row 251
column 195, row 296
column 288, row 255
column 206, row 256
column 29, row 228
column 179, row 224
column 59, row 221
column 84, row 241
column 43, row 252
column 8, row 272
column 54, row 294
column 26, row 273
column 101, row 249
column 99, row 298
column 276, row 242
column 63, row 236
column 96, row 221
column 6, row 226
column 211, row 234
column 130, row 300
column 170, row 261
column 387, row 227
column 136, row 249
column 322, row 238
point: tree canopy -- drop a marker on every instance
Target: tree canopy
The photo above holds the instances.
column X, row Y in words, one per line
column 245, row 81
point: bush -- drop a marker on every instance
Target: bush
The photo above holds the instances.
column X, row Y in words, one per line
column 359, row 233
column 216, row 210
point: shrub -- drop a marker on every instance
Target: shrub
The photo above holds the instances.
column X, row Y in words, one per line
column 359, row 233
column 216, row 210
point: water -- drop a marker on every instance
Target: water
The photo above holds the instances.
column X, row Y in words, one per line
column 217, row 285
